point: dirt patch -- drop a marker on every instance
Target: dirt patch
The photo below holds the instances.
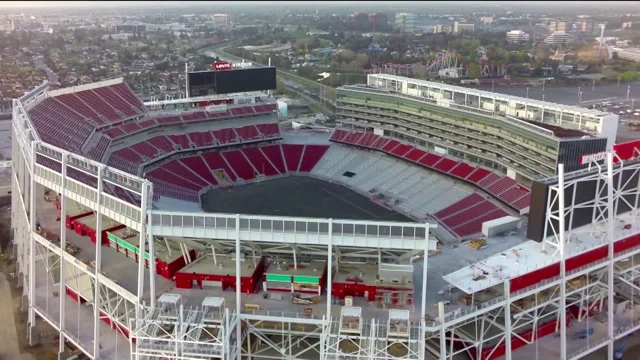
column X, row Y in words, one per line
column 14, row 344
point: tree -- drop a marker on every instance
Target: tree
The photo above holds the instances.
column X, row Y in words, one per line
column 4, row 237
column 346, row 55
column 335, row 80
column 629, row 76
column 357, row 43
column 474, row 71
column 163, row 66
column 79, row 35
column 420, row 70
column 333, row 67
column 517, row 57
column 542, row 52
column 280, row 88
column 361, row 21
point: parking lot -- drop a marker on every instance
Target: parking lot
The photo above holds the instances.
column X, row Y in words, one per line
column 628, row 111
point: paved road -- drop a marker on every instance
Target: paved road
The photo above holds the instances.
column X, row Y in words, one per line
column 5, row 138
column 51, row 76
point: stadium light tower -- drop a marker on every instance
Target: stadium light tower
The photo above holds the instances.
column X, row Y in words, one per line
column 186, row 80
column 602, row 26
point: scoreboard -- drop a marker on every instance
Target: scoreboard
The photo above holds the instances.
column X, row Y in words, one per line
column 224, row 79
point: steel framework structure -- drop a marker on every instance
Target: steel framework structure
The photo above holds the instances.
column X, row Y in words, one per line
column 154, row 328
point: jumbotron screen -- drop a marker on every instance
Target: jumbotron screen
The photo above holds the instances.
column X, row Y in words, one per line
column 213, row 82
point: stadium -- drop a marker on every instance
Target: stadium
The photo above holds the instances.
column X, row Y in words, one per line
column 434, row 222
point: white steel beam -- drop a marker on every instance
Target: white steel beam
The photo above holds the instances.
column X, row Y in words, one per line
column 443, row 343
column 238, row 291
column 611, row 215
column 423, row 312
column 32, row 247
column 329, row 274
column 98, row 268
column 141, row 259
column 63, row 246
column 507, row 319
column 152, row 263
column 561, row 239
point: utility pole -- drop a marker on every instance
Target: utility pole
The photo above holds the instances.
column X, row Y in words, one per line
column 593, row 86
column 602, row 26
column 628, row 90
column 527, row 92
column 579, row 95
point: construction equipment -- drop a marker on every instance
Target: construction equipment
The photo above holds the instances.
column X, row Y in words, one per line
column 47, row 195
column 634, row 125
column 300, row 299
column 465, row 299
column 583, row 334
column 434, row 252
column 348, row 301
column 477, row 244
column 72, row 249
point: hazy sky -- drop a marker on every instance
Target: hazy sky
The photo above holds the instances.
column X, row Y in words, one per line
column 41, row 4
column 104, row 4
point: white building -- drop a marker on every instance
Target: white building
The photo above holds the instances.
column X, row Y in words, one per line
column 451, row 73
column 406, row 22
column 517, row 36
column 460, row 28
column 447, row 29
column 557, row 38
column 630, row 54
column 221, row 22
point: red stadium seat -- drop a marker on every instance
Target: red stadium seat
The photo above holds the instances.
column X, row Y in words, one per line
column 275, row 154
column 292, row 156
column 216, row 162
column 197, row 165
column 240, row 164
column 100, row 149
column 445, row 165
column 311, row 155
column 259, row 161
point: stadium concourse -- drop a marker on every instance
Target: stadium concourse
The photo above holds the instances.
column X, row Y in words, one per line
column 350, row 243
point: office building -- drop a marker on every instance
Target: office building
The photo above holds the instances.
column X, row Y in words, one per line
column 406, row 22
column 221, row 22
column 460, row 28
column 517, row 37
column 557, row 38
column 558, row 25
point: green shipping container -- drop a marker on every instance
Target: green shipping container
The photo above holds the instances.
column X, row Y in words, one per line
column 306, row 280
column 279, row 278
